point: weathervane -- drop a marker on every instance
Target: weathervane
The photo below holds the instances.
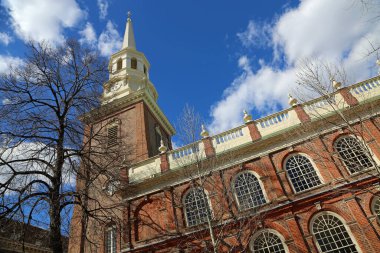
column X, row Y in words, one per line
column 129, row 14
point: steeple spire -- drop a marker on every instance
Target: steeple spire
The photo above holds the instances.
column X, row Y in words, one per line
column 129, row 36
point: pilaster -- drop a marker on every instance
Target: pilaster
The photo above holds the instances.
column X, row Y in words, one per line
column 253, row 130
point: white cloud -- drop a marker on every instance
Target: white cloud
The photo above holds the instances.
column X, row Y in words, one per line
column 5, row 38
column 103, row 8
column 43, row 19
column 7, row 61
column 29, row 152
column 256, row 34
column 335, row 31
column 88, row 35
column 109, row 40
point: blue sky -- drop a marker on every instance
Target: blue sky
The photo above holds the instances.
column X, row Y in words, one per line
column 219, row 56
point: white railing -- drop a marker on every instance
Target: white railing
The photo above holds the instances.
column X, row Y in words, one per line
column 273, row 120
column 367, row 89
column 266, row 126
column 228, row 136
column 145, row 169
column 185, row 151
column 277, row 122
column 322, row 106
column 186, row 155
column 231, row 138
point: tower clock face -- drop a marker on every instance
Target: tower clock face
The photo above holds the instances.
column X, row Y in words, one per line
column 116, row 86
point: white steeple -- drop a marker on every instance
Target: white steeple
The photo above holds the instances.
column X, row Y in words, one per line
column 129, row 71
column 129, row 36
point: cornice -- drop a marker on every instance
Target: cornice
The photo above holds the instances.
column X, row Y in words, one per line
column 118, row 104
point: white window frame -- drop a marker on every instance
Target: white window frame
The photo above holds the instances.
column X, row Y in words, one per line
column 313, row 166
column 267, row 230
column 372, row 157
column 375, row 204
column 260, row 184
column 185, row 208
column 113, row 245
column 348, row 230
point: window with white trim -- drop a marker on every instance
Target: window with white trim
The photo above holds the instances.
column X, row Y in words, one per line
column 301, row 173
column 376, row 207
column 110, row 240
column 267, row 242
column 248, row 191
column 331, row 235
column 352, row 152
column 196, row 206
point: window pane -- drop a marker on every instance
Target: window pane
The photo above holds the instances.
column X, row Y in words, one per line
column 111, row 240
column 353, row 154
column 196, row 207
column 331, row 235
column 267, row 242
column 248, row 191
column 376, row 207
column 301, row 173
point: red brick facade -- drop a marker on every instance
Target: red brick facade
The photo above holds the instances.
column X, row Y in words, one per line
column 287, row 213
column 155, row 217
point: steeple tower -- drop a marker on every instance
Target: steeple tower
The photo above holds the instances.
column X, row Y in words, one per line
column 130, row 91
column 129, row 70
column 129, row 36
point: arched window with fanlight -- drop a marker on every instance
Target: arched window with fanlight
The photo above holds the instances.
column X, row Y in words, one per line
column 196, row 206
column 268, row 241
column 331, row 235
column 134, row 63
column 110, row 239
column 301, row 173
column 353, row 153
column 376, row 207
column 248, row 191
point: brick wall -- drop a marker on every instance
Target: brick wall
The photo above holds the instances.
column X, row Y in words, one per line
column 288, row 213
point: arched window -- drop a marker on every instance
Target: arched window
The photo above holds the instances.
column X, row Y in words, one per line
column 352, row 152
column 134, row 63
column 110, row 240
column 301, row 173
column 248, row 191
column 119, row 64
column 267, row 241
column 331, row 235
column 376, row 207
column 196, row 206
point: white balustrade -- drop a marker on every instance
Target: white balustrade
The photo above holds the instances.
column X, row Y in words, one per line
column 277, row 122
column 145, row 169
column 185, row 155
column 366, row 90
column 266, row 126
column 230, row 139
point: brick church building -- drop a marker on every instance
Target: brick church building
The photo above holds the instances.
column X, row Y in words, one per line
column 305, row 179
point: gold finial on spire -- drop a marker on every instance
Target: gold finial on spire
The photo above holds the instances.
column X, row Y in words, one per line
column 129, row 37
